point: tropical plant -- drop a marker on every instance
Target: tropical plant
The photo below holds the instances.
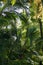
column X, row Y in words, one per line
column 21, row 32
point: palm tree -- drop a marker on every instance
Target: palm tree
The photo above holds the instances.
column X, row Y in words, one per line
column 21, row 36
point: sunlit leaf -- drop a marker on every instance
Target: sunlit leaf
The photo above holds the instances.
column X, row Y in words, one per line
column 13, row 2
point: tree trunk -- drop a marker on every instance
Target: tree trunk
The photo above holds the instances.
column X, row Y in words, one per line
column 40, row 28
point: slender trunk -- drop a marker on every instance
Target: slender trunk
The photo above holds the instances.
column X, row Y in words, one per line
column 41, row 33
column 40, row 23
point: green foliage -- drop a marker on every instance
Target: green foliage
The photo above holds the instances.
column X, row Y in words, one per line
column 13, row 2
column 21, row 35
